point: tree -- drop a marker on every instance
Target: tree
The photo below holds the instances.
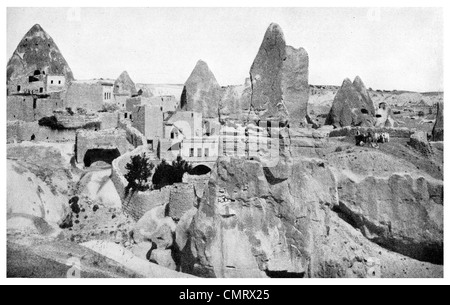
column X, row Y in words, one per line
column 166, row 174
column 180, row 167
column 139, row 172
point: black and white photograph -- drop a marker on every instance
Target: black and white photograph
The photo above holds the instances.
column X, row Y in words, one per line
column 194, row 143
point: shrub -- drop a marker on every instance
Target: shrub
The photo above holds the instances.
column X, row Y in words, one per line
column 109, row 107
column 51, row 122
column 139, row 172
column 166, row 174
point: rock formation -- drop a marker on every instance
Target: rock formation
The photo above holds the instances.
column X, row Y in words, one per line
column 124, row 85
column 352, row 106
column 235, row 103
column 201, row 92
column 438, row 129
column 279, row 76
column 384, row 116
column 37, row 53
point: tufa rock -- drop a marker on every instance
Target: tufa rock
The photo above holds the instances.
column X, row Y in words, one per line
column 201, row 92
column 438, row 129
column 352, row 106
column 124, row 85
column 279, row 78
column 37, row 53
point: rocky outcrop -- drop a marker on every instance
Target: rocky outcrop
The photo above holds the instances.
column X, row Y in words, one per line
column 352, row 106
column 37, row 52
column 401, row 213
column 438, row 129
column 279, row 77
column 124, row 85
column 419, row 142
column 234, row 104
column 384, row 116
column 201, row 92
column 255, row 221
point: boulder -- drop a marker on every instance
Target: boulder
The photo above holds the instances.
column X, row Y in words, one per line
column 279, row 76
column 438, row 129
column 201, row 92
column 155, row 227
column 419, row 142
column 352, row 106
column 163, row 258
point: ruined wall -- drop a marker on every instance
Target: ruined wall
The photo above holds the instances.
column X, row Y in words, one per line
column 105, row 139
column 23, row 131
column 109, row 120
column 29, row 108
column 134, row 136
column 182, row 199
column 85, row 95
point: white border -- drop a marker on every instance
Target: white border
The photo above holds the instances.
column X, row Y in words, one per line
column 230, row 3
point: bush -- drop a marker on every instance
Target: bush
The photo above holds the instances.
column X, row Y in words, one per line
column 166, row 174
column 109, row 107
column 139, row 171
column 51, row 122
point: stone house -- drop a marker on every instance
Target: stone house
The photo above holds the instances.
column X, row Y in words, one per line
column 89, row 95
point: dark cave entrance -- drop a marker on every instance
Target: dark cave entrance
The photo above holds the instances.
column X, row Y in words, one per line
column 200, row 170
column 99, row 154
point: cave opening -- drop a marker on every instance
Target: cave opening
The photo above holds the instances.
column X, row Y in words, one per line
column 99, row 154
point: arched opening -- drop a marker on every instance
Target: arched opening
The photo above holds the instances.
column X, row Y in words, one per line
column 99, row 154
column 200, row 170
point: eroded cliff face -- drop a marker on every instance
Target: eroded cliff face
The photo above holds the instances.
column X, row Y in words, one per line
column 301, row 219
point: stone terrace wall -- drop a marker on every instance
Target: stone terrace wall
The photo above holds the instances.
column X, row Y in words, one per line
column 109, row 120
column 401, row 132
column 106, row 139
column 134, row 136
column 22, row 131
column 22, row 108
column 140, row 202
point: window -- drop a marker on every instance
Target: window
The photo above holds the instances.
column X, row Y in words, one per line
column 51, row 82
column 206, row 152
column 131, row 116
column 41, row 90
column 191, row 152
column 199, row 152
column 126, row 115
column 59, row 82
column 34, row 103
column 172, row 135
column 18, row 88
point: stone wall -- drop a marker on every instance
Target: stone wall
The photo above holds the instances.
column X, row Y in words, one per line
column 139, row 203
column 85, row 95
column 28, row 108
column 105, row 139
column 182, row 199
column 134, row 136
column 109, row 120
column 23, row 131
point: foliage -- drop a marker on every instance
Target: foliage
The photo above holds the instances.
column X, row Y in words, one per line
column 51, row 122
column 139, row 171
column 166, row 174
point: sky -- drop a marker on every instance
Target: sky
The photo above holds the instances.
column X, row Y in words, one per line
column 389, row 48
